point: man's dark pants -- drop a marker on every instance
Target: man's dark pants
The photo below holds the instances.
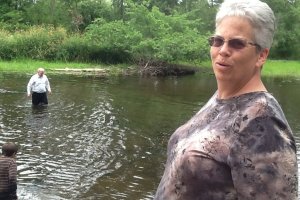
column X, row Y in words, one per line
column 39, row 98
column 8, row 195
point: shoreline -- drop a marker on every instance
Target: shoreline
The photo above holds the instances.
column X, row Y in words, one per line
column 272, row 68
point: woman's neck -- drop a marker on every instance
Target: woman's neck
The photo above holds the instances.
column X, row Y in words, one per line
column 229, row 89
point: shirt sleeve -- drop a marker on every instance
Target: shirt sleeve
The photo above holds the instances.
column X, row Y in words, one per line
column 48, row 85
column 13, row 176
column 29, row 85
column 263, row 161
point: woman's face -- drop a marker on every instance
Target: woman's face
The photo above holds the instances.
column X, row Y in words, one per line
column 236, row 66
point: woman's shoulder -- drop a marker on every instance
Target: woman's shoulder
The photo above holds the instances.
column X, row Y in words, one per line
column 260, row 108
column 261, row 96
column 260, row 104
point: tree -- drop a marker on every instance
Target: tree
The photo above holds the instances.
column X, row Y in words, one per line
column 9, row 12
column 90, row 10
column 166, row 6
column 119, row 8
column 48, row 12
column 286, row 41
column 201, row 13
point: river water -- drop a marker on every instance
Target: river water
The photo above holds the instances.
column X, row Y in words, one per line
column 105, row 138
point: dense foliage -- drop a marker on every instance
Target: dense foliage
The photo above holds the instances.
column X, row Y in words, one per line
column 125, row 30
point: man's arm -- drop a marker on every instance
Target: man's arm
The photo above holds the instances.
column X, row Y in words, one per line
column 29, row 85
column 48, row 85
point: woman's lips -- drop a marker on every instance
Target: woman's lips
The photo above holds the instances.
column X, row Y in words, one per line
column 222, row 64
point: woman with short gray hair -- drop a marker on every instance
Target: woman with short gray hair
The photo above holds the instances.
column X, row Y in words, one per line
column 239, row 145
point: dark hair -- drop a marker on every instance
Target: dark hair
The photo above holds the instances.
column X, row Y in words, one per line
column 9, row 148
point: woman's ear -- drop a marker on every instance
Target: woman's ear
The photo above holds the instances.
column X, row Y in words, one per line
column 262, row 57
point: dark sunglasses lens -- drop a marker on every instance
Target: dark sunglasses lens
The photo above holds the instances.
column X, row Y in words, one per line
column 237, row 43
column 216, row 41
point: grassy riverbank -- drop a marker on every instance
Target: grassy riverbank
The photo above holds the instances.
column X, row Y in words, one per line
column 30, row 66
column 281, row 68
column 276, row 68
column 271, row 68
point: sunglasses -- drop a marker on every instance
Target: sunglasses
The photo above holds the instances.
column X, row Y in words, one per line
column 235, row 43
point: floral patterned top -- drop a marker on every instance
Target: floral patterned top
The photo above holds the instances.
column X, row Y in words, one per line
column 238, row 148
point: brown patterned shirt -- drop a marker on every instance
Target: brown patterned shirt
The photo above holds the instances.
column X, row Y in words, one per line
column 8, row 177
column 238, row 148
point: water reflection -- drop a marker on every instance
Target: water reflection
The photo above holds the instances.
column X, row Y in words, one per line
column 106, row 138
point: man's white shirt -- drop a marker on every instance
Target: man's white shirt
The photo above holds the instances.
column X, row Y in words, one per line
column 38, row 84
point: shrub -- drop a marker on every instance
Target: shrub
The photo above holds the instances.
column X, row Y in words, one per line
column 74, row 48
column 112, row 39
column 39, row 42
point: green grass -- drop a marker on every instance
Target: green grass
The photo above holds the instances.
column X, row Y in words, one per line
column 271, row 68
column 20, row 66
column 30, row 66
column 281, row 68
column 274, row 67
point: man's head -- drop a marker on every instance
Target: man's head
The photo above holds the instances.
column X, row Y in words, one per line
column 9, row 149
column 41, row 72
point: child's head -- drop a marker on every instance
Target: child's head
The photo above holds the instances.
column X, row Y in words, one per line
column 9, row 149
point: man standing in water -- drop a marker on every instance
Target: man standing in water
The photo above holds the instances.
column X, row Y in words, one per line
column 8, row 172
column 38, row 86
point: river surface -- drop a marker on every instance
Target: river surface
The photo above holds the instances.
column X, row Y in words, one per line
column 106, row 138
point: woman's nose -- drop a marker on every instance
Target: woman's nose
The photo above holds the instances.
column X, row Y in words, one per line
column 224, row 49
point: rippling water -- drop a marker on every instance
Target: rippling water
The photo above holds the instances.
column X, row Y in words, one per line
column 105, row 138
column 65, row 146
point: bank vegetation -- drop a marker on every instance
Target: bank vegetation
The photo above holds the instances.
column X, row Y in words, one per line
column 143, row 33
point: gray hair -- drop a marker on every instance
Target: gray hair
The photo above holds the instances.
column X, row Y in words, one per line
column 41, row 69
column 258, row 13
